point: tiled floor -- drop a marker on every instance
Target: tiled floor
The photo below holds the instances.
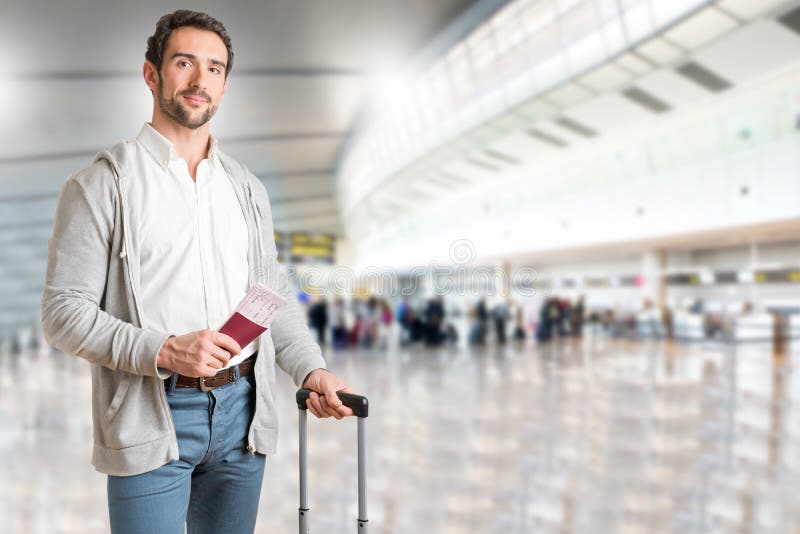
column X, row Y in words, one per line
column 596, row 436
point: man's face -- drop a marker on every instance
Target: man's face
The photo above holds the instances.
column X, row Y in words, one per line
column 191, row 82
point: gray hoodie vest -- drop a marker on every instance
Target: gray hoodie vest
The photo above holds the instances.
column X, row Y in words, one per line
column 90, row 308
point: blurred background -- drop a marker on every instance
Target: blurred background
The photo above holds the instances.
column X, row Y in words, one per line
column 555, row 242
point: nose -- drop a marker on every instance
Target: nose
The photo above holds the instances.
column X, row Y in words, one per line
column 199, row 78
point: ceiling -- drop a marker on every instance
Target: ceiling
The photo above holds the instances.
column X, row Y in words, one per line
column 303, row 72
column 301, row 75
column 706, row 56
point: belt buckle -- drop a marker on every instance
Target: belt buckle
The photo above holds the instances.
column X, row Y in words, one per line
column 206, row 388
column 203, row 386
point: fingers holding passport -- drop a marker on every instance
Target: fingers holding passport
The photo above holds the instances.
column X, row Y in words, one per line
column 196, row 354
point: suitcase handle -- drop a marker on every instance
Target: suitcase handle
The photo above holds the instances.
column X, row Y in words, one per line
column 357, row 403
column 360, row 407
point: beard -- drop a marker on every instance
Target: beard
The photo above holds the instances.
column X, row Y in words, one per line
column 175, row 110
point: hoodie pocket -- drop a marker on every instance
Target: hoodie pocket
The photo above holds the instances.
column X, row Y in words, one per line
column 116, row 401
column 134, row 415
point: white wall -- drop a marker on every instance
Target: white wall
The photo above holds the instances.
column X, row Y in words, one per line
column 732, row 162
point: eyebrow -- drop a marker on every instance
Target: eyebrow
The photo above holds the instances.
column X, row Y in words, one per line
column 193, row 56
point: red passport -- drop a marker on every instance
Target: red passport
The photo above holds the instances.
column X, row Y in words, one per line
column 242, row 329
column 253, row 315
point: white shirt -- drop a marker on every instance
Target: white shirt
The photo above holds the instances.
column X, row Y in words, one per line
column 192, row 237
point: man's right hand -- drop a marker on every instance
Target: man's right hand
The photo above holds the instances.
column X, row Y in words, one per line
column 197, row 354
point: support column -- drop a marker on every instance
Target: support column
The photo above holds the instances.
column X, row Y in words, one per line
column 654, row 264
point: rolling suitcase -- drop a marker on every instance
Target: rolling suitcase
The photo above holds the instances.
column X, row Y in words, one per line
column 360, row 407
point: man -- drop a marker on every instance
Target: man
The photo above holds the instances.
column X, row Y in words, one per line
column 153, row 247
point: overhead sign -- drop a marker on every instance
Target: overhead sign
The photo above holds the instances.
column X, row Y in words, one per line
column 764, row 276
column 683, row 279
column 280, row 245
column 305, row 247
column 311, row 248
column 626, row 280
column 777, row 276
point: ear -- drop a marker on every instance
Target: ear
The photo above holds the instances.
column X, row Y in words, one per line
column 150, row 74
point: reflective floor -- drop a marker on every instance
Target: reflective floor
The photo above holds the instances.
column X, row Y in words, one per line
column 592, row 436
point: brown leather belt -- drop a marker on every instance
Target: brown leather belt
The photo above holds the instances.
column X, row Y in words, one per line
column 207, row 383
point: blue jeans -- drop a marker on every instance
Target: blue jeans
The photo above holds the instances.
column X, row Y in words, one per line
column 215, row 485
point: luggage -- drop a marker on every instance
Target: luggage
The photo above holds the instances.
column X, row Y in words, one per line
column 360, row 407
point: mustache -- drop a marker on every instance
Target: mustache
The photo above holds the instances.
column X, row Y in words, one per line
column 198, row 94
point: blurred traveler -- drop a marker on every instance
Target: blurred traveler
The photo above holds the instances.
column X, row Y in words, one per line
column 125, row 290
column 338, row 324
column 401, row 310
column 550, row 320
column 358, row 324
column 576, row 316
column 475, row 336
column 564, row 321
column 415, row 326
column 500, row 315
column 480, row 316
column 434, row 321
column 385, row 327
column 450, row 333
column 318, row 317
column 370, row 318
column 400, row 315
column 519, row 325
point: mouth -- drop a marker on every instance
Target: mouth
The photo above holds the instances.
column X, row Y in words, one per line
column 196, row 100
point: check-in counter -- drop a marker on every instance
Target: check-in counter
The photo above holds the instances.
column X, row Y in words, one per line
column 788, row 333
column 792, row 325
column 754, row 327
column 649, row 325
column 688, row 326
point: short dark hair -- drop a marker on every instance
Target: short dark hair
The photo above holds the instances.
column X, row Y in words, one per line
column 170, row 22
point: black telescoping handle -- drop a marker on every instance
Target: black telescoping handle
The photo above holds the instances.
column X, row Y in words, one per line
column 357, row 403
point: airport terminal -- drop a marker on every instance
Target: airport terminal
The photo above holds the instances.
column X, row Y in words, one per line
column 554, row 243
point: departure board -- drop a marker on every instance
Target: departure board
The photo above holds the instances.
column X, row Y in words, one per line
column 760, row 276
column 305, row 248
column 777, row 276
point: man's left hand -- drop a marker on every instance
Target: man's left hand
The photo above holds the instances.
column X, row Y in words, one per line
column 323, row 401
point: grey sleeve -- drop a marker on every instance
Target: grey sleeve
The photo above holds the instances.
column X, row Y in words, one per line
column 296, row 352
column 77, row 268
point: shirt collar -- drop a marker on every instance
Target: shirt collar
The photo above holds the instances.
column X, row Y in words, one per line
column 212, row 151
column 162, row 149
column 212, row 147
column 157, row 145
